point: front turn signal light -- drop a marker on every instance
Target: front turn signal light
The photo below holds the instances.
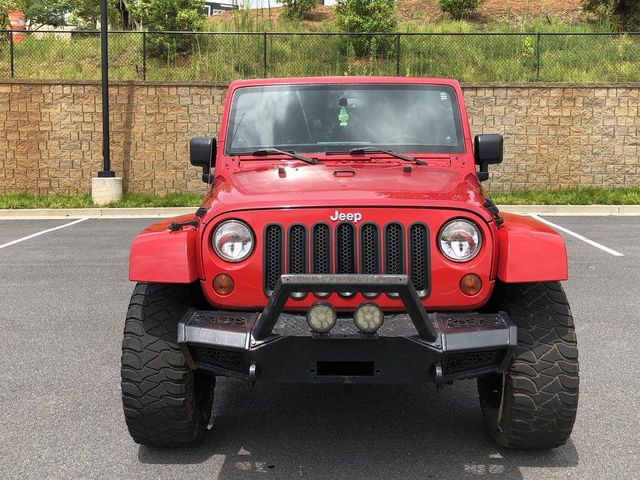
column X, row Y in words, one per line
column 223, row 284
column 470, row 284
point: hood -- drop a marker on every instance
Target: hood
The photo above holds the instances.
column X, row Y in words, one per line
column 348, row 184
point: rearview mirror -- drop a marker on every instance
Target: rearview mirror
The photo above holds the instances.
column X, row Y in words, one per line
column 488, row 150
column 202, row 151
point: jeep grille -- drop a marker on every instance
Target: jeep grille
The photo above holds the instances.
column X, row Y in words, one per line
column 345, row 249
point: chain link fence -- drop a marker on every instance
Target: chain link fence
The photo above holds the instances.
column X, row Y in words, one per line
column 218, row 56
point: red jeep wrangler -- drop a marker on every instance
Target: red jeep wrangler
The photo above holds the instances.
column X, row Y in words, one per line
column 346, row 239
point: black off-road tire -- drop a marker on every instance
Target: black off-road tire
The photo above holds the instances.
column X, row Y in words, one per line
column 533, row 405
column 166, row 404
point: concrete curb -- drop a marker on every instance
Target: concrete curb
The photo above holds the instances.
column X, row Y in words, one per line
column 57, row 213
column 567, row 210
column 164, row 212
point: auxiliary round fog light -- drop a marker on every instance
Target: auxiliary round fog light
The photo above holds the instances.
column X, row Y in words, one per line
column 321, row 317
column 368, row 317
column 223, row 284
column 470, row 284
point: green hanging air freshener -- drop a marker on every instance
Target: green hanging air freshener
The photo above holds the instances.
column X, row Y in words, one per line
column 343, row 117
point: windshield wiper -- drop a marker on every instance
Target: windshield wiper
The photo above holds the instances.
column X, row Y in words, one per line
column 406, row 158
column 272, row 151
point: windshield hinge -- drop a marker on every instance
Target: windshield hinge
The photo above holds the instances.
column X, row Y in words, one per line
column 178, row 225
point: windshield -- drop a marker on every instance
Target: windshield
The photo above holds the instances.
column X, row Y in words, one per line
column 337, row 118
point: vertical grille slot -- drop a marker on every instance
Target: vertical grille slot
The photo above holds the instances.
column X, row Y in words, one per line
column 370, row 249
column 419, row 257
column 273, row 264
column 345, row 249
column 321, row 249
column 297, row 249
column 394, row 249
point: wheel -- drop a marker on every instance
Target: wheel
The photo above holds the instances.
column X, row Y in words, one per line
column 166, row 404
column 533, row 405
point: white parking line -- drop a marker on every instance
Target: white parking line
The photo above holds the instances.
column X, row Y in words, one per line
column 579, row 237
column 42, row 232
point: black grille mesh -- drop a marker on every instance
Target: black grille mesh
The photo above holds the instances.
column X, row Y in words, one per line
column 297, row 249
column 370, row 247
column 345, row 248
column 273, row 256
column 418, row 245
column 321, row 249
column 394, row 241
column 346, row 261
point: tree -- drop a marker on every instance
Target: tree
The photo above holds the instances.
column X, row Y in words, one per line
column 46, row 12
column 86, row 13
column 38, row 12
column 625, row 14
column 168, row 15
column 458, row 9
column 362, row 16
column 297, row 8
column 5, row 8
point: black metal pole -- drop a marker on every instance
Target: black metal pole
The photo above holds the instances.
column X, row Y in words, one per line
column 106, row 159
column 538, row 37
column 398, row 54
column 144, row 55
column 264, row 52
column 11, row 57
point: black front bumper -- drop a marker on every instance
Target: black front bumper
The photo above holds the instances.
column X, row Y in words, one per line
column 414, row 347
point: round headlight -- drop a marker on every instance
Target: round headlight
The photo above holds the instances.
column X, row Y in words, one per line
column 232, row 240
column 460, row 240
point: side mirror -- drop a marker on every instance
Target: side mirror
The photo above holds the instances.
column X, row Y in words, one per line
column 488, row 150
column 202, row 151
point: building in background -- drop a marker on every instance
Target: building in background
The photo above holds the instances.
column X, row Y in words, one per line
column 213, row 8
column 242, row 4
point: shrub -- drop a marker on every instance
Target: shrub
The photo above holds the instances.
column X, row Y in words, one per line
column 625, row 14
column 362, row 16
column 297, row 8
column 169, row 15
column 458, row 9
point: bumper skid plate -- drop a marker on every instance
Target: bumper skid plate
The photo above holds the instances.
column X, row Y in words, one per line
column 411, row 347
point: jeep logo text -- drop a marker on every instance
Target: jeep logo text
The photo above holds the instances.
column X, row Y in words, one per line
column 351, row 217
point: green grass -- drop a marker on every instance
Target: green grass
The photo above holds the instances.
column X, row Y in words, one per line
column 469, row 57
column 569, row 196
column 180, row 199
column 23, row 200
column 130, row 200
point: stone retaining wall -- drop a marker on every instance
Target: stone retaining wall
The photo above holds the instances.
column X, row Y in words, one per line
column 50, row 134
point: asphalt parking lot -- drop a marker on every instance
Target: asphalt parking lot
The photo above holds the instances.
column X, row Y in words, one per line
column 64, row 297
